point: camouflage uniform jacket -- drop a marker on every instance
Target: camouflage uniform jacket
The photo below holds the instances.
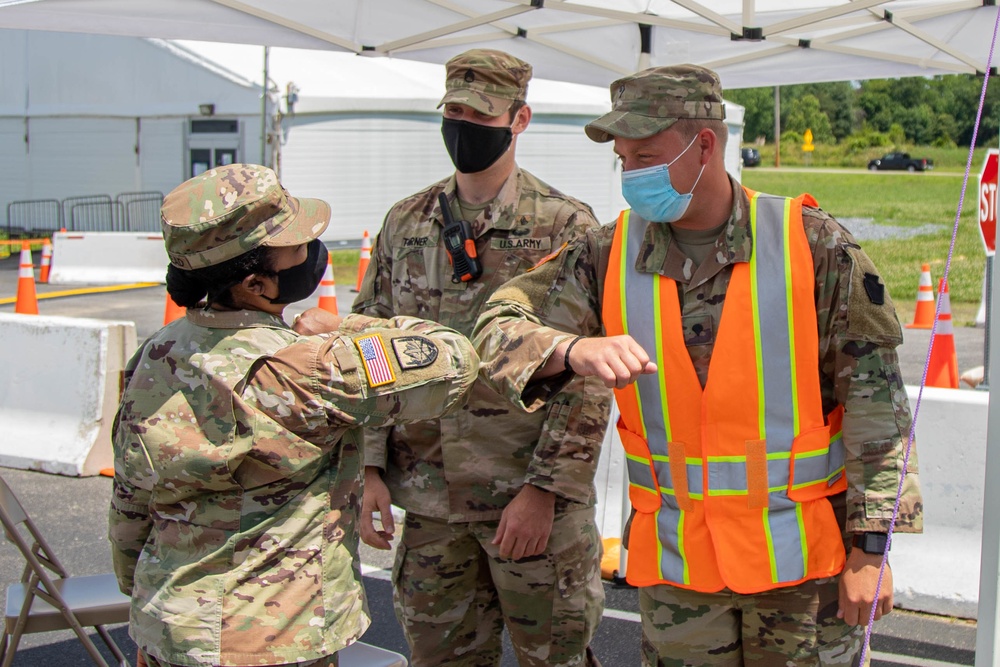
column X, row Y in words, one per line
column 468, row 466
column 237, row 477
column 859, row 368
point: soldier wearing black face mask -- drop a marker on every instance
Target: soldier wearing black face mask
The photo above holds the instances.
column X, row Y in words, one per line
column 500, row 516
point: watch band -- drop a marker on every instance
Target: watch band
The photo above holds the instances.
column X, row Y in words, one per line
column 871, row 543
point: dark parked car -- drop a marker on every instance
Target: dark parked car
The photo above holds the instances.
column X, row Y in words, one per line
column 751, row 157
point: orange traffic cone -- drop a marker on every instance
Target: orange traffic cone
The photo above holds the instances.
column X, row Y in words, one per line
column 611, row 560
column 923, row 316
column 172, row 311
column 27, row 300
column 328, row 289
column 43, row 275
column 942, row 369
column 366, row 257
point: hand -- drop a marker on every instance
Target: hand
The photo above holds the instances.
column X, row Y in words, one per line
column 526, row 523
column 140, row 659
column 617, row 360
column 376, row 498
column 857, row 588
column 316, row 321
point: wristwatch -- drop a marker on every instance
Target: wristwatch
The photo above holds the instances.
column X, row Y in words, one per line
column 871, row 543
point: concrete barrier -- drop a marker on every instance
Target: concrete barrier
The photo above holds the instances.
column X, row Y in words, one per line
column 935, row 572
column 938, row 572
column 107, row 258
column 59, row 391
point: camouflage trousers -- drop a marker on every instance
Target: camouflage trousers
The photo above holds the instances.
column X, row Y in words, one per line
column 454, row 594
column 796, row 626
column 328, row 661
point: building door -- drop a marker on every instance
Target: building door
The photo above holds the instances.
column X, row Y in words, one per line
column 212, row 143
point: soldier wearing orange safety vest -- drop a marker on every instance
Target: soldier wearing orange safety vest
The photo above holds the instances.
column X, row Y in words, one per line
column 751, row 344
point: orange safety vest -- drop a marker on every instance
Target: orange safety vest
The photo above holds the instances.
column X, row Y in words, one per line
column 729, row 482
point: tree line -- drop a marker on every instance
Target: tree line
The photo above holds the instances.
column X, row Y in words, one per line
column 929, row 111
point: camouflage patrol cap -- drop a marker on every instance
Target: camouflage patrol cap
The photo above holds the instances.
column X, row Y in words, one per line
column 487, row 80
column 228, row 211
column 652, row 100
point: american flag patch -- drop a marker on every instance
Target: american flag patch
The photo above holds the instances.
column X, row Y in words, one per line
column 377, row 365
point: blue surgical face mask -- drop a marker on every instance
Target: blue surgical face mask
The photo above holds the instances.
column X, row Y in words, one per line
column 649, row 192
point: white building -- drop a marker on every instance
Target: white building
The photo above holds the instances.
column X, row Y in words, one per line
column 89, row 115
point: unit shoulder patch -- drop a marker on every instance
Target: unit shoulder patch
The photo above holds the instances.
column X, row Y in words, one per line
column 414, row 352
column 871, row 315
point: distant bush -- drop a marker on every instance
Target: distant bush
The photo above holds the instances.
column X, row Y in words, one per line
column 855, row 152
column 864, row 140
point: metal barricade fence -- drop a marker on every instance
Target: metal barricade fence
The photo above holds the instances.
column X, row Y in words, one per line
column 142, row 210
column 33, row 218
column 94, row 216
column 128, row 212
column 87, row 216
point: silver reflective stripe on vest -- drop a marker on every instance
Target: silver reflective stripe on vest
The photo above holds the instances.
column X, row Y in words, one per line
column 639, row 473
column 825, row 466
column 773, row 317
column 638, row 310
column 694, row 477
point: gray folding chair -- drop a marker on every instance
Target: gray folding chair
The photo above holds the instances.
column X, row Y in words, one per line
column 47, row 598
column 360, row 654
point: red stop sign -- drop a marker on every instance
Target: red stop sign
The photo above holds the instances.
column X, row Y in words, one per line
column 988, row 201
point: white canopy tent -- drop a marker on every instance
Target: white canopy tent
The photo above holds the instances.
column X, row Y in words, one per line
column 749, row 42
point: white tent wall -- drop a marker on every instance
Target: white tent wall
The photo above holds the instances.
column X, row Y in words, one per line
column 364, row 163
column 91, row 114
column 361, row 164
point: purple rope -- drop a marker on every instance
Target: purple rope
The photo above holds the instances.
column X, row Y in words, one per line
column 927, row 360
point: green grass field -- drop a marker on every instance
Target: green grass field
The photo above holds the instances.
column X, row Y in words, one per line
column 902, row 200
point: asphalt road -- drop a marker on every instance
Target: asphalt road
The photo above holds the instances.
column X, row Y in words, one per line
column 71, row 513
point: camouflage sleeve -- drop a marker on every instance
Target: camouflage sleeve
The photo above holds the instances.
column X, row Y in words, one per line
column 375, row 295
column 565, row 458
column 375, row 299
column 128, row 517
column 372, row 372
column 128, row 527
column 530, row 315
column 859, row 332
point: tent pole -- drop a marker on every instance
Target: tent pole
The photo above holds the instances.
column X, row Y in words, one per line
column 263, row 113
column 988, row 634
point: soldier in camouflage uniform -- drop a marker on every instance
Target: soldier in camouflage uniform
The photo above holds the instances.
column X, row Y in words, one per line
column 500, row 523
column 237, row 461
column 673, row 116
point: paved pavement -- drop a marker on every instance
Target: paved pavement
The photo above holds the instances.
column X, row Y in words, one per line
column 71, row 513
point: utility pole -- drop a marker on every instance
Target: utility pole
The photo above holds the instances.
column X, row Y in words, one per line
column 777, row 126
column 263, row 112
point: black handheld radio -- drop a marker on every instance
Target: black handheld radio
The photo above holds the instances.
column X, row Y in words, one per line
column 460, row 245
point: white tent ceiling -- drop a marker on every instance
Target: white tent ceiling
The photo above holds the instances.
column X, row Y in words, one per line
column 749, row 42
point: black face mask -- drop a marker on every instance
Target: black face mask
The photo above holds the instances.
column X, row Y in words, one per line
column 472, row 147
column 298, row 282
